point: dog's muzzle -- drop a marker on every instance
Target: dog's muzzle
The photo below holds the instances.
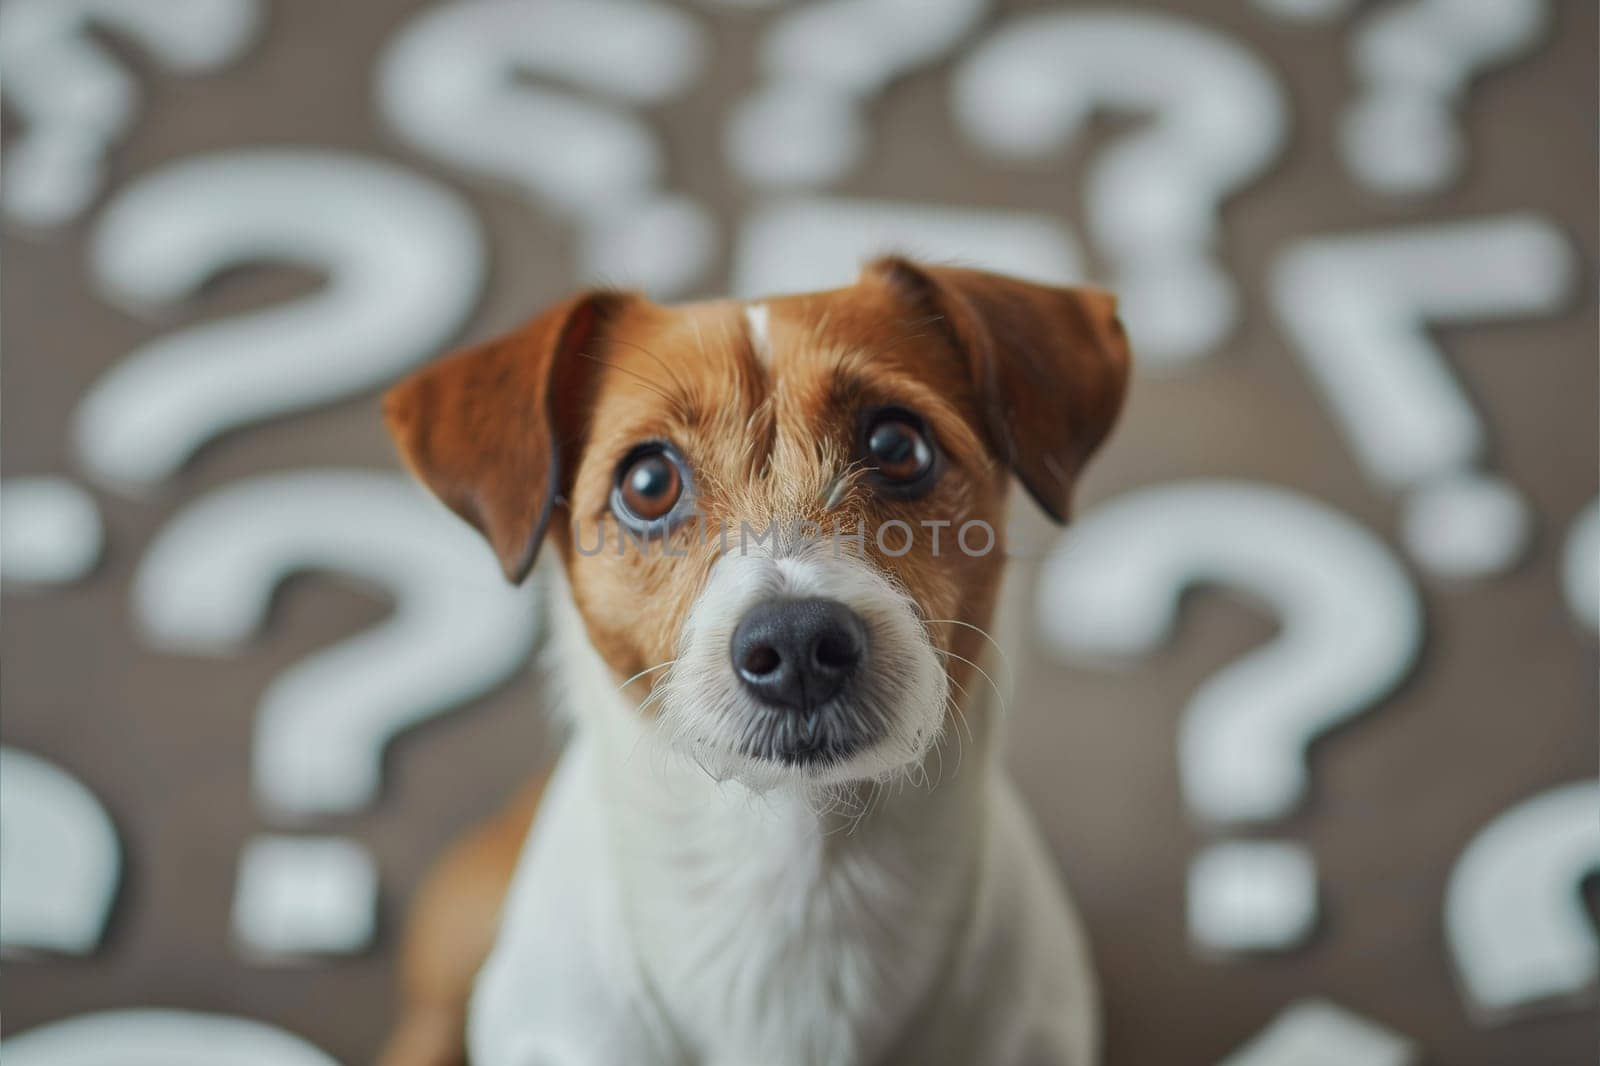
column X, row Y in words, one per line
column 796, row 657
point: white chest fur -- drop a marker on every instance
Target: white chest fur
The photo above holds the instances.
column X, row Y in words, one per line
column 777, row 932
column 661, row 916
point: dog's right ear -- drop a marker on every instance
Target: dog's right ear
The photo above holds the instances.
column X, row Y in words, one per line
column 1050, row 365
column 485, row 428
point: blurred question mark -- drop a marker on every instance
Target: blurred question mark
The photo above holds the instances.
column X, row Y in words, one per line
column 1518, row 931
column 1306, row 10
column 75, row 101
column 805, row 243
column 1315, row 1032
column 1415, row 60
column 454, row 84
column 50, row 531
column 804, row 125
column 159, row 1037
column 1580, row 566
column 458, row 630
column 59, row 859
column 1152, row 200
column 405, row 263
column 1351, row 630
column 1356, row 308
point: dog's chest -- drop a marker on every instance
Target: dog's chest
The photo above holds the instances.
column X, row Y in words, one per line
column 772, row 937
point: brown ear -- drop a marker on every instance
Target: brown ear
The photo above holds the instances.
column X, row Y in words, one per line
column 485, row 428
column 1049, row 365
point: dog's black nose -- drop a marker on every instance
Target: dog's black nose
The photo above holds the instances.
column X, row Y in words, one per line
column 797, row 653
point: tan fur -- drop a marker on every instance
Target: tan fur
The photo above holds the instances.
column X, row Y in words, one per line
column 523, row 437
column 452, row 926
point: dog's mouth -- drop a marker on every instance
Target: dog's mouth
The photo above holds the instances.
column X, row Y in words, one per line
column 822, row 736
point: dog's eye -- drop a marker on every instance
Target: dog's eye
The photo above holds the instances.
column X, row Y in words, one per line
column 898, row 449
column 649, row 485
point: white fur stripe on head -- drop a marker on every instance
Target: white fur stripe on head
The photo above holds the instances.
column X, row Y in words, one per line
column 755, row 318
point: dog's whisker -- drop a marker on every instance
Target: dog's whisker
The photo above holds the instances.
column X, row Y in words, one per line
column 1005, row 659
column 961, row 715
column 1000, row 695
column 961, row 744
column 645, row 671
column 938, row 751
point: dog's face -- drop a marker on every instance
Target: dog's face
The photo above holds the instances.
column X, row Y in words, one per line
column 781, row 521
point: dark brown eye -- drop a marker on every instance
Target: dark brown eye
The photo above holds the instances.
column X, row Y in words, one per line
column 649, row 486
column 899, row 450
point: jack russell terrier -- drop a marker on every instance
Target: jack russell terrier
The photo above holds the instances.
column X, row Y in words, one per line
column 756, row 849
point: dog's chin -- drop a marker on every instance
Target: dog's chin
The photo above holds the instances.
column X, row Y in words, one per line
column 824, row 761
column 842, row 742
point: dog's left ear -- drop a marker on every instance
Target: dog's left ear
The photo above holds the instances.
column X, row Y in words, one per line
column 1049, row 365
column 487, row 428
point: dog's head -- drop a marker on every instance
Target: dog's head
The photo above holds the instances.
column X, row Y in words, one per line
column 782, row 520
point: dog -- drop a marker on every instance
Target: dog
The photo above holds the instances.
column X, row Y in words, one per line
column 756, row 849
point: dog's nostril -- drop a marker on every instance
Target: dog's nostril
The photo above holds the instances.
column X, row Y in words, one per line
column 761, row 661
column 836, row 651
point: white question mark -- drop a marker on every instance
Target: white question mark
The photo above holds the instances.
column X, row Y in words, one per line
column 1415, row 60
column 1351, row 629
column 1518, row 931
column 1314, row 1032
column 73, row 98
column 804, row 125
column 453, row 84
column 159, row 1037
column 59, row 859
column 806, row 243
column 205, row 586
column 1306, row 10
column 405, row 262
column 50, row 531
column 207, row 580
column 1357, row 307
column 301, row 896
column 1580, row 566
column 1220, row 119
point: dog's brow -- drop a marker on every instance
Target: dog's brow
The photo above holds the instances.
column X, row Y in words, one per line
column 848, row 380
column 643, row 381
column 677, row 381
column 855, row 379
